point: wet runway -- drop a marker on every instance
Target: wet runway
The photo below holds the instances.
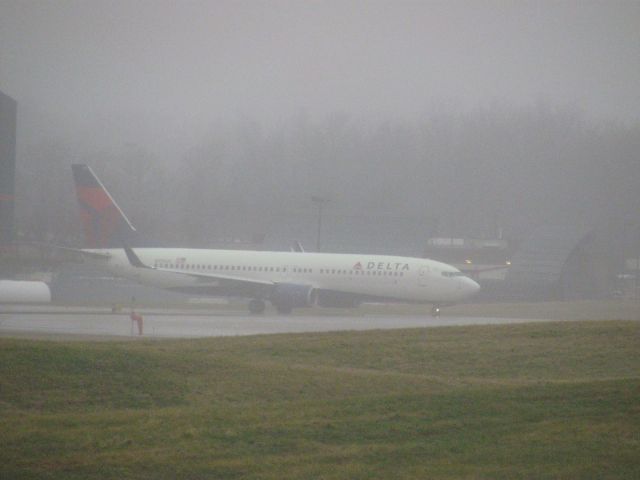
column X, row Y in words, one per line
column 194, row 324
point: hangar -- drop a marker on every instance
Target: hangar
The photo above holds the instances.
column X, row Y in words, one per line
column 563, row 263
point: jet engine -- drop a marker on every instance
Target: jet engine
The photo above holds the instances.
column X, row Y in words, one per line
column 287, row 296
column 331, row 299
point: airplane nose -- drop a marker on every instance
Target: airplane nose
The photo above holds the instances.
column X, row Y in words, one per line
column 471, row 287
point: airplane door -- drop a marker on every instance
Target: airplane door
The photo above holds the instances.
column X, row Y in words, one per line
column 423, row 276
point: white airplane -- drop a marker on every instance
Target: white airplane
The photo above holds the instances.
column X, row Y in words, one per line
column 287, row 279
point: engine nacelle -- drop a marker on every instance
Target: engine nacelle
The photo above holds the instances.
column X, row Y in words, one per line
column 330, row 299
column 286, row 296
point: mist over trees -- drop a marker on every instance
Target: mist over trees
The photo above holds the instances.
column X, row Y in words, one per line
column 465, row 173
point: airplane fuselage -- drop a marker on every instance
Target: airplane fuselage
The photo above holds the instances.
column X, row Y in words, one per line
column 369, row 276
column 287, row 279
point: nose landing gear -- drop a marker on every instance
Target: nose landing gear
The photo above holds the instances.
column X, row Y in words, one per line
column 435, row 311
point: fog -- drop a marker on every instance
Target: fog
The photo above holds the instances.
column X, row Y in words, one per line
column 467, row 115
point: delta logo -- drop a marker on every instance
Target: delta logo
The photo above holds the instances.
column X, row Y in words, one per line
column 396, row 266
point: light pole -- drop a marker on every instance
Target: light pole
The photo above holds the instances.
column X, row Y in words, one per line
column 319, row 201
column 637, row 292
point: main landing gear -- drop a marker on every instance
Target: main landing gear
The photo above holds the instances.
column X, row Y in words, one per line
column 284, row 309
column 256, row 306
column 435, row 311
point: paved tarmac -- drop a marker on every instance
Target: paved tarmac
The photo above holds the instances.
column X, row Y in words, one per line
column 43, row 320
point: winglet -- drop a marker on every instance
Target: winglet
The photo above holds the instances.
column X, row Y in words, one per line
column 134, row 260
column 297, row 246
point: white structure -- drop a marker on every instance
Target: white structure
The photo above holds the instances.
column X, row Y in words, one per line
column 12, row 291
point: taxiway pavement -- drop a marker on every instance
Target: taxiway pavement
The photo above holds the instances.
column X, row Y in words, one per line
column 194, row 324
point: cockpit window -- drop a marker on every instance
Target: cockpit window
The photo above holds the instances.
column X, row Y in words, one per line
column 453, row 274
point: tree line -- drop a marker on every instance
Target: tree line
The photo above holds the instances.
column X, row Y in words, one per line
column 467, row 173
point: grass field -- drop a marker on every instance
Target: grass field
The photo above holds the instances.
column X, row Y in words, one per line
column 547, row 400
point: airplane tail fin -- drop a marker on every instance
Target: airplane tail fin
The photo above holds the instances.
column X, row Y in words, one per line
column 104, row 224
column 296, row 246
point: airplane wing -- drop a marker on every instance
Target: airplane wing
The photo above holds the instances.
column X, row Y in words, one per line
column 86, row 253
column 474, row 273
column 135, row 261
column 78, row 254
column 482, row 269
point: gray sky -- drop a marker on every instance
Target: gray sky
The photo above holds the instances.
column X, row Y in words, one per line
column 136, row 71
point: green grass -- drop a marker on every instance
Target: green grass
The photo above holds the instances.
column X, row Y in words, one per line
column 552, row 400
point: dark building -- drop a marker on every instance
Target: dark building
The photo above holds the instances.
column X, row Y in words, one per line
column 563, row 263
column 8, row 110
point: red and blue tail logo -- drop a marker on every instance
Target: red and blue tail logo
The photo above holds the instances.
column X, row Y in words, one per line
column 104, row 224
